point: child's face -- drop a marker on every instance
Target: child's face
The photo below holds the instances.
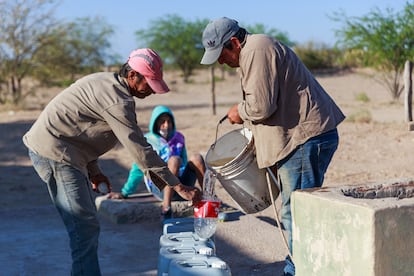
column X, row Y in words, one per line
column 164, row 125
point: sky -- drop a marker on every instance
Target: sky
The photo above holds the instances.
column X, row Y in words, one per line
column 301, row 20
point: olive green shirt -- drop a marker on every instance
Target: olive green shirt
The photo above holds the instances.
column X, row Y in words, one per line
column 86, row 120
column 283, row 104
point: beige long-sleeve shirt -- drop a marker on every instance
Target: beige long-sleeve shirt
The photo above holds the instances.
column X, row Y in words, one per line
column 284, row 105
column 86, row 120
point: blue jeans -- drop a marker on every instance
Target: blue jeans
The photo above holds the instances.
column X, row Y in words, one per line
column 72, row 195
column 304, row 168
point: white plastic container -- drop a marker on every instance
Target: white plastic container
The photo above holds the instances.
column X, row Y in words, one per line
column 183, row 252
column 176, row 225
column 199, row 266
column 185, row 239
column 234, row 160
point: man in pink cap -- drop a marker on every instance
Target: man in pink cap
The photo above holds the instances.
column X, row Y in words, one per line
column 80, row 124
column 148, row 63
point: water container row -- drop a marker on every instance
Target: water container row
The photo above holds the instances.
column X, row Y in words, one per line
column 184, row 253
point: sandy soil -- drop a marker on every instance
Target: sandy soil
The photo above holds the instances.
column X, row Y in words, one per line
column 377, row 150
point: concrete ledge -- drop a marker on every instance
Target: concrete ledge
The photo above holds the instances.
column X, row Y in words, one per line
column 334, row 234
column 138, row 208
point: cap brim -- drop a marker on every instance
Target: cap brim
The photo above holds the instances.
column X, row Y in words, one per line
column 211, row 55
column 158, row 86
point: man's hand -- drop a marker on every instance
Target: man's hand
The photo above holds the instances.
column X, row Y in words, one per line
column 233, row 115
column 189, row 193
column 98, row 179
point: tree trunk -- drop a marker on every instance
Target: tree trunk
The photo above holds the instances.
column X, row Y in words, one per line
column 16, row 89
column 408, row 89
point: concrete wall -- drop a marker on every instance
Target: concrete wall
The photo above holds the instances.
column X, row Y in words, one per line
column 338, row 235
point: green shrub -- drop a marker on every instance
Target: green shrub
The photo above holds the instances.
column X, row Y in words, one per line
column 317, row 57
column 362, row 97
column 360, row 116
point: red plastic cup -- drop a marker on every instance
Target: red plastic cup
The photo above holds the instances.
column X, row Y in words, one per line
column 207, row 209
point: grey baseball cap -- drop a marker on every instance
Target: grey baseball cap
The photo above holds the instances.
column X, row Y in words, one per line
column 216, row 33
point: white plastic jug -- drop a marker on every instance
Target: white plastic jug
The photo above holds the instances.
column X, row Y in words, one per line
column 181, row 252
column 185, row 238
column 199, row 266
column 176, row 225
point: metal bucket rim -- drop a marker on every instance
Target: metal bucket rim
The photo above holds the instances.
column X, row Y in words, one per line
column 236, row 166
column 241, row 155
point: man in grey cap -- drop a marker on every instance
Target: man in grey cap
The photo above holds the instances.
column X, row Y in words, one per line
column 293, row 119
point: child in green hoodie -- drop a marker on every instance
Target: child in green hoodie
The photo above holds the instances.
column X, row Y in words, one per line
column 170, row 146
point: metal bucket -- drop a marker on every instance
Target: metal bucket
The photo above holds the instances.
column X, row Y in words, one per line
column 233, row 158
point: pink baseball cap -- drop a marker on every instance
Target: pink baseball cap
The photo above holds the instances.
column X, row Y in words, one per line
column 149, row 64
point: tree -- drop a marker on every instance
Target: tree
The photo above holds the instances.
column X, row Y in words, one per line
column 82, row 50
column 34, row 44
column 23, row 31
column 178, row 41
column 383, row 40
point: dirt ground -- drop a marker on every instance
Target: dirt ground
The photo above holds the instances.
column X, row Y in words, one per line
column 375, row 147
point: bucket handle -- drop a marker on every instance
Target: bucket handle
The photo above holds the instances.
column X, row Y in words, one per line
column 221, row 120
